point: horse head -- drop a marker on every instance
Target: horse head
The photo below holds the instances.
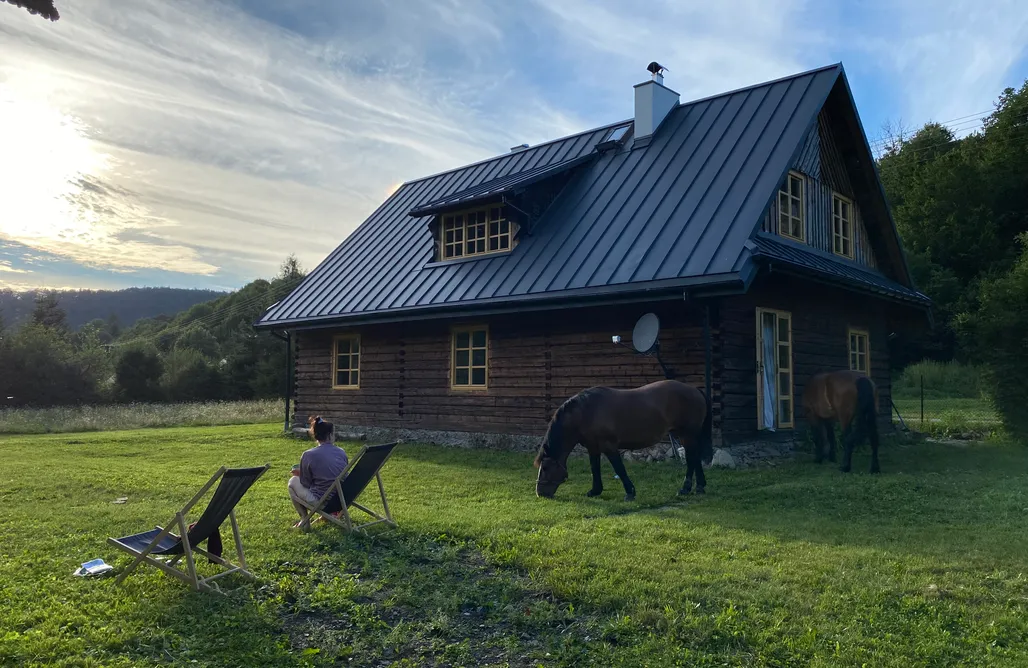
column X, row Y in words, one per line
column 552, row 457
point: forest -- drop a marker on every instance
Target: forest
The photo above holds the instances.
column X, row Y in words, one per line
column 960, row 204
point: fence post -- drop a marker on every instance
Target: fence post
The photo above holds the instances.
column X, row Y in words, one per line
column 922, row 402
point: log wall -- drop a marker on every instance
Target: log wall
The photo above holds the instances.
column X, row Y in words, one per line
column 536, row 361
column 821, row 317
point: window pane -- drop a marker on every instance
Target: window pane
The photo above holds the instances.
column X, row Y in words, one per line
column 481, row 245
column 783, row 330
column 461, row 377
column 504, row 227
column 479, row 339
column 478, row 357
column 494, row 229
column 494, row 243
column 478, row 376
column 504, row 242
column 341, row 377
column 354, row 378
column 783, row 384
column 462, row 357
column 785, row 412
column 783, row 357
column 355, row 346
column 494, row 214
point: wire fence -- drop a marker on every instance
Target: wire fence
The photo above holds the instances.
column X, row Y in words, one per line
column 940, row 411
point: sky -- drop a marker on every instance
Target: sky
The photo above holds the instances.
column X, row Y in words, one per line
column 197, row 144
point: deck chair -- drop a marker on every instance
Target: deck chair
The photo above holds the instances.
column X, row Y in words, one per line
column 161, row 541
column 348, row 485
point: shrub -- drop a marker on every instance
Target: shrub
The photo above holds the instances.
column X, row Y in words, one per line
column 999, row 332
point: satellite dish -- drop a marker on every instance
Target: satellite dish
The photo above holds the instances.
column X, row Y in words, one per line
column 644, row 336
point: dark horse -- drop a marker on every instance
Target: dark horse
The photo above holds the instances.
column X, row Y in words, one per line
column 851, row 398
column 605, row 420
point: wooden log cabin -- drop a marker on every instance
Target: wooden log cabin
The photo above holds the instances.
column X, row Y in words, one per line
column 475, row 301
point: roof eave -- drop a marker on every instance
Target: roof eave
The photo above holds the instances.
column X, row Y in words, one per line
column 698, row 286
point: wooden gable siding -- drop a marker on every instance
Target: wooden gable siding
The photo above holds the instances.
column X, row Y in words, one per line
column 536, row 361
column 821, row 317
column 824, row 172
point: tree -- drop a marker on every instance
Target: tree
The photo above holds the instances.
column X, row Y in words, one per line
column 48, row 312
column 44, row 8
column 38, row 368
column 137, row 375
column 998, row 332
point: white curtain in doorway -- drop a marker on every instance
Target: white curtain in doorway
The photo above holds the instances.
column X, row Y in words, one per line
column 770, row 374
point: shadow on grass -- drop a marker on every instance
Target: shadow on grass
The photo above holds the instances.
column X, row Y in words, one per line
column 391, row 599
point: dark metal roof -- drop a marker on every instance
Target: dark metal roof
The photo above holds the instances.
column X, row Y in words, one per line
column 803, row 256
column 501, row 185
column 677, row 210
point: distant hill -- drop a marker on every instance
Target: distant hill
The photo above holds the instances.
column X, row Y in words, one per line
column 126, row 306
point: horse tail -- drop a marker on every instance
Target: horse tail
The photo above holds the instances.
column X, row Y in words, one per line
column 706, row 439
column 867, row 410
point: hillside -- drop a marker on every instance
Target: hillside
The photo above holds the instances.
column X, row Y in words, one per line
column 127, row 307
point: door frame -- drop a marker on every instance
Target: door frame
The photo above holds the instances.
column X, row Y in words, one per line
column 759, row 350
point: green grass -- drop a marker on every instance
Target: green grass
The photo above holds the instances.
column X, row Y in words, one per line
column 73, row 419
column 799, row 565
column 949, row 417
column 940, row 380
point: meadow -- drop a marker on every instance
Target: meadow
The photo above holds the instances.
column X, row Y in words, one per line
column 113, row 417
column 925, row 564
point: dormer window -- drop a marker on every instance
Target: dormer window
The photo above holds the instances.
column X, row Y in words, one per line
column 475, row 232
column 791, row 221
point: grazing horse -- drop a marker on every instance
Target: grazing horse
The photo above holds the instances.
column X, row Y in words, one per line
column 851, row 398
column 605, row 420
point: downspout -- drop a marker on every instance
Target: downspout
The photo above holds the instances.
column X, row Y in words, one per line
column 288, row 338
column 707, row 363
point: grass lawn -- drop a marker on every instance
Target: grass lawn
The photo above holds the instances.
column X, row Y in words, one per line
column 949, row 415
column 924, row 565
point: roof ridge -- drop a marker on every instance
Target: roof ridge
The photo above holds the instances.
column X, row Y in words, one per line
column 500, row 156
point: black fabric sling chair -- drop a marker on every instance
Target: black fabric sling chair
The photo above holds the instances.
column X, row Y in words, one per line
column 348, row 485
column 162, row 542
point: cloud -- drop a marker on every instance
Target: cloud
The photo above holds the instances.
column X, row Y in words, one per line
column 202, row 142
column 6, row 267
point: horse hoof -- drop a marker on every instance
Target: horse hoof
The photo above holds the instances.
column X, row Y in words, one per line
column 630, row 497
column 683, row 492
column 594, row 492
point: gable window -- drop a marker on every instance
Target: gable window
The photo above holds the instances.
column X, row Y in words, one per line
column 476, row 232
column 842, row 226
column 346, row 362
column 470, row 353
column 859, row 358
column 790, row 208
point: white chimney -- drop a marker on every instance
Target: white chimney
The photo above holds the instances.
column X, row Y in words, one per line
column 653, row 101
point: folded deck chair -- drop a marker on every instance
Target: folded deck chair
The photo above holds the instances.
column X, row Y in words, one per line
column 348, row 485
column 162, row 542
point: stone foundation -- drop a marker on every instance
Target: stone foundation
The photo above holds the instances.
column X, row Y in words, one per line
column 739, row 455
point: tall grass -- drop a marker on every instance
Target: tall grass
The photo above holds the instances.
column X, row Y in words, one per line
column 138, row 416
column 942, row 380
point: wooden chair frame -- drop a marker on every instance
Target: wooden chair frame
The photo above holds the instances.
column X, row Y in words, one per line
column 346, row 523
column 189, row 574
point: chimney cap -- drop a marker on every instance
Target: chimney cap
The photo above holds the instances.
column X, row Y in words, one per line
column 656, row 69
column 519, row 147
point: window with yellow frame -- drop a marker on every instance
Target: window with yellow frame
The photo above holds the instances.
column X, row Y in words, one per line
column 860, row 358
column 790, row 208
column 470, row 358
column 842, row 226
column 346, row 362
column 476, row 232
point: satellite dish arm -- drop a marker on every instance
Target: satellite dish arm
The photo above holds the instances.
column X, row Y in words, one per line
column 669, row 373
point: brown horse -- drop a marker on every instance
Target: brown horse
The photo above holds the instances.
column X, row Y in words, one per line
column 850, row 398
column 606, row 420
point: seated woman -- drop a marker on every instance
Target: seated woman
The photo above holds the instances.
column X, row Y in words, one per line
column 319, row 467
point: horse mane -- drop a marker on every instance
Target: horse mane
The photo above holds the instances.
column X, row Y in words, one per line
column 552, row 445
